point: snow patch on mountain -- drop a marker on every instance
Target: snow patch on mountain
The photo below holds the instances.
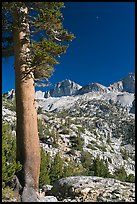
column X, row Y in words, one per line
column 65, row 102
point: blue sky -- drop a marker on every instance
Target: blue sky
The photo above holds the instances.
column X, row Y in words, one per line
column 103, row 50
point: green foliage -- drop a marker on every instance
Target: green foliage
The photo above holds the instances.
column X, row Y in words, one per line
column 108, row 139
column 100, row 167
column 73, row 169
column 54, row 137
column 7, row 193
column 124, row 154
column 40, row 128
column 44, row 169
column 56, row 171
column 77, row 142
column 103, row 148
column 86, row 160
column 91, row 146
column 46, row 135
column 81, row 129
column 64, row 130
column 130, row 178
column 120, row 174
column 46, row 27
column 39, row 111
column 9, row 164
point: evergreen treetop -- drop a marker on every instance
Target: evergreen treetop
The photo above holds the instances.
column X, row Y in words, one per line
column 48, row 38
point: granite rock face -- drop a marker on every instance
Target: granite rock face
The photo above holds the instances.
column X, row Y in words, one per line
column 11, row 94
column 29, row 195
column 64, row 88
column 48, row 199
column 127, row 84
column 93, row 189
column 93, row 87
column 132, row 110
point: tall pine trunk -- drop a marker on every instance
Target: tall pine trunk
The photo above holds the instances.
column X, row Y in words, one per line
column 28, row 147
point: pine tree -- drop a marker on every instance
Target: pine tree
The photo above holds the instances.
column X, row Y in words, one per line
column 44, row 168
column 56, row 171
column 131, row 178
column 33, row 32
column 120, row 174
column 100, row 167
column 96, row 166
column 9, row 165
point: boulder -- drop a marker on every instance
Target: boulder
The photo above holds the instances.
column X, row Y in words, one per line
column 48, row 199
column 29, row 195
column 93, row 189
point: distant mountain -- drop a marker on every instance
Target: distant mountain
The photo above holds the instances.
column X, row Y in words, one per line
column 127, row 84
column 70, row 88
column 93, row 87
column 63, row 88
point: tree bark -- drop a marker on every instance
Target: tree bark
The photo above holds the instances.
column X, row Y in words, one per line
column 27, row 140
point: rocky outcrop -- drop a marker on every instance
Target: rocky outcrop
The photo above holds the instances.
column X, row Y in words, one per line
column 117, row 86
column 11, row 94
column 93, row 189
column 39, row 94
column 93, row 87
column 47, row 199
column 127, row 84
column 29, row 195
column 132, row 110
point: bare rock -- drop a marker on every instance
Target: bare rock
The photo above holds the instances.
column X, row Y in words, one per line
column 93, row 189
column 48, row 199
column 29, row 195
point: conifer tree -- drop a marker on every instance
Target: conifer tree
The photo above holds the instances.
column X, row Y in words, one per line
column 100, row 167
column 9, row 165
column 33, row 33
column 44, row 168
column 56, row 171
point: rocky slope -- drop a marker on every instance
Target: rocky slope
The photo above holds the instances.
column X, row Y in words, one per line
column 104, row 122
column 93, row 189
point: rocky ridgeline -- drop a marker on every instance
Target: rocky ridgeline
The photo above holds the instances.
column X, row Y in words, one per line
column 89, row 189
column 70, row 88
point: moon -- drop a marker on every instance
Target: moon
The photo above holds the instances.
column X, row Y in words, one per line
column 97, row 17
